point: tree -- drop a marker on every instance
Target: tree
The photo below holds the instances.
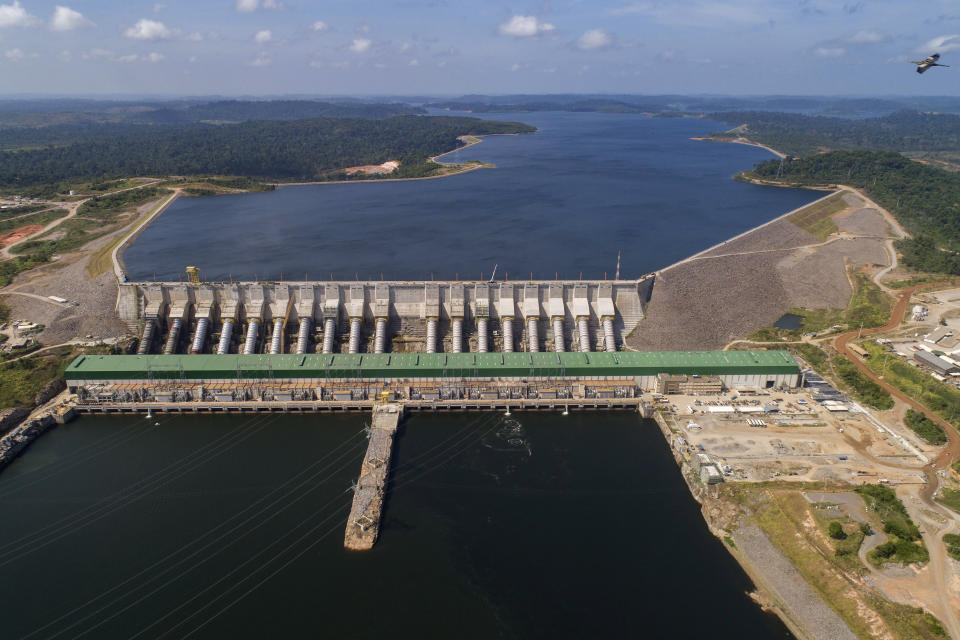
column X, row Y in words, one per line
column 836, row 531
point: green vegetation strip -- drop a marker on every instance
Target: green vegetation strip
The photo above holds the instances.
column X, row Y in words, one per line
column 952, row 542
column 942, row 399
column 930, row 431
column 905, row 544
column 866, row 390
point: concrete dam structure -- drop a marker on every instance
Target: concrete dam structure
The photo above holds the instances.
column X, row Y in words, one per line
column 382, row 317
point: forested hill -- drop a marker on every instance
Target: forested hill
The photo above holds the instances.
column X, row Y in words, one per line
column 925, row 200
column 38, row 114
column 799, row 135
column 285, row 150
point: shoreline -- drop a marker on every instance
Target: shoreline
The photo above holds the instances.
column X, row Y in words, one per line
column 745, row 141
column 435, row 159
column 116, row 256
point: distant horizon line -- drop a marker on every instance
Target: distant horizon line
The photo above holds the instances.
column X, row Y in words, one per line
column 381, row 96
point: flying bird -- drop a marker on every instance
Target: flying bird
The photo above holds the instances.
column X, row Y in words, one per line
column 926, row 63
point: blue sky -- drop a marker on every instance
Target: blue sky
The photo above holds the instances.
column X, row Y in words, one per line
column 357, row 47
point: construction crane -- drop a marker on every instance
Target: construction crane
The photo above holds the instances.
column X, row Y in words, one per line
column 193, row 275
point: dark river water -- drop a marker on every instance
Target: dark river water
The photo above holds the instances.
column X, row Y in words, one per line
column 532, row 526
column 561, row 201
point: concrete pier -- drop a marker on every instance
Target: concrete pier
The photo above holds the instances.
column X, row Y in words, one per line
column 363, row 524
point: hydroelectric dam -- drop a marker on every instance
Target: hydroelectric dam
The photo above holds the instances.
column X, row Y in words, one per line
column 393, row 347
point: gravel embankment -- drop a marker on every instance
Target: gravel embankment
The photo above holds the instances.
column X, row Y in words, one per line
column 708, row 302
column 781, row 234
column 779, row 575
column 67, row 278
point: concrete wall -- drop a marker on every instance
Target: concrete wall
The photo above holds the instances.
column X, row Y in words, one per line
column 407, row 305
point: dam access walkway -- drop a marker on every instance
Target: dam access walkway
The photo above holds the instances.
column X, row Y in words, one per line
column 363, row 523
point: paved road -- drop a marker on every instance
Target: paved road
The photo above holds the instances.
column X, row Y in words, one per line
column 33, row 295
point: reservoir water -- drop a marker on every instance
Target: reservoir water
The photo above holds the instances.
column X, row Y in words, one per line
column 532, row 526
column 561, row 201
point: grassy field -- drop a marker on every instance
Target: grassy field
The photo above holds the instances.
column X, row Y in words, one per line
column 14, row 212
column 950, row 498
column 20, row 381
column 785, row 516
column 43, row 219
column 816, row 219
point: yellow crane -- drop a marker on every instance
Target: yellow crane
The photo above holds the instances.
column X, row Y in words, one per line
column 193, row 275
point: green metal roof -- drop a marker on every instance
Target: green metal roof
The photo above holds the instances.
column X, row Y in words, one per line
column 430, row 365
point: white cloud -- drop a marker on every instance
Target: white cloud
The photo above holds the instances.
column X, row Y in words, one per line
column 130, row 57
column 15, row 55
column 525, row 27
column 192, row 59
column 153, row 56
column 14, row 15
column 66, row 19
column 703, row 13
column 196, row 36
column 263, row 37
column 594, row 39
column 360, row 45
column 940, row 44
column 262, row 60
column 158, row 7
column 516, row 66
column 246, row 6
column 866, row 37
column 98, row 54
column 319, row 26
column 148, row 30
column 65, row 56
column 829, row 52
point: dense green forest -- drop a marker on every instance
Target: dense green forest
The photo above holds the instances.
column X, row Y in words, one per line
column 798, row 135
column 38, row 114
column 629, row 103
column 284, row 150
column 924, row 199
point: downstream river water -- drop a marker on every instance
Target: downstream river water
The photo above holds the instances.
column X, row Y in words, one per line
column 537, row 526
column 561, row 201
column 532, row 526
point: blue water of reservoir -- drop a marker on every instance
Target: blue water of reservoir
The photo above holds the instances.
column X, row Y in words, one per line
column 561, row 201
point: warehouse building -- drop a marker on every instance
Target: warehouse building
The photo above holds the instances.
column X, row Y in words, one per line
column 936, row 363
column 415, row 375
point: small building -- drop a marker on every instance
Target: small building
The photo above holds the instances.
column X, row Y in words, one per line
column 689, row 385
column 710, row 474
column 938, row 335
column 936, row 363
column 859, row 351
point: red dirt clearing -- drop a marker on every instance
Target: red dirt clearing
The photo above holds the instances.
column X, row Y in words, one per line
column 18, row 234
